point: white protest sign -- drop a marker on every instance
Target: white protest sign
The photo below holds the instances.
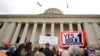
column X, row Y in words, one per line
column 48, row 39
column 72, row 38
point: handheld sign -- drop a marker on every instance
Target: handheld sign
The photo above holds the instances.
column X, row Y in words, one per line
column 72, row 38
column 48, row 39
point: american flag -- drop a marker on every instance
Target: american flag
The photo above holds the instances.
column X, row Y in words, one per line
column 39, row 4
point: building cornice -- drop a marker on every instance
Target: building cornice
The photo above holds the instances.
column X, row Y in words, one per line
column 48, row 16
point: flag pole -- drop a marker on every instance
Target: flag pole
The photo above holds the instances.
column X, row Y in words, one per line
column 37, row 3
column 35, row 7
column 67, row 7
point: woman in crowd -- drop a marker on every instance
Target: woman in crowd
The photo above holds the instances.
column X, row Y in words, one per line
column 55, row 51
column 35, row 50
column 39, row 52
column 27, row 50
column 18, row 50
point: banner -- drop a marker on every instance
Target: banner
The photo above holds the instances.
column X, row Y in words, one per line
column 48, row 39
column 72, row 38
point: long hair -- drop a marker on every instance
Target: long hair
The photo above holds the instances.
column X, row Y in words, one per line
column 35, row 50
column 28, row 46
column 55, row 50
column 18, row 50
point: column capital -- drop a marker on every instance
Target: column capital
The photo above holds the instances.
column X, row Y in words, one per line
column 70, row 22
column 79, row 22
column 52, row 22
column 44, row 22
column 35, row 22
column 86, row 22
column 61, row 22
column 19, row 22
column 13, row 22
column 5, row 22
column 27, row 22
column 94, row 22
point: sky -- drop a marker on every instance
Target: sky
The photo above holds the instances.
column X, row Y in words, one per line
column 31, row 6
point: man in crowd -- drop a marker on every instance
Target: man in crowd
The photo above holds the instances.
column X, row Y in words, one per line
column 47, row 50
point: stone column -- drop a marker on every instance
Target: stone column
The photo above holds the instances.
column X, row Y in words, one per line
column 61, row 30
column 88, row 34
column 70, row 27
column 3, row 30
column 52, row 29
column 24, row 35
column 61, row 27
column 43, row 29
column 33, row 33
column 16, row 33
column 97, row 33
column 9, row 32
column 79, row 27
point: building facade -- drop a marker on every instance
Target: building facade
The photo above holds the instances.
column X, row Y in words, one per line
column 16, row 29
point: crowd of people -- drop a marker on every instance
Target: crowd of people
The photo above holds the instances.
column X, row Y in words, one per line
column 28, row 50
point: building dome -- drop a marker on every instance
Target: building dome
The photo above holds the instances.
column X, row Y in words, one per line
column 53, row 11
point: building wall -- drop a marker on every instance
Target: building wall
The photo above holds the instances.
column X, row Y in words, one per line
column 90, row 25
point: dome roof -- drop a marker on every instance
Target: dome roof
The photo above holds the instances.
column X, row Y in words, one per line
column 53, row 11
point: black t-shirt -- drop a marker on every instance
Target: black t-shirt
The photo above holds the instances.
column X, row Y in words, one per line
column 48, row 52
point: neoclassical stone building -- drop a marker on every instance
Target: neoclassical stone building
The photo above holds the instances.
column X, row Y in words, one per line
column 22, row 28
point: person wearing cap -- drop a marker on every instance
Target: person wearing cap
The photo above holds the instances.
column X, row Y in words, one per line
column 47, row 51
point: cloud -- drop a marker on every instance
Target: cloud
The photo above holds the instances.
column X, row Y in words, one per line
column 6, row 6
column 30, row 7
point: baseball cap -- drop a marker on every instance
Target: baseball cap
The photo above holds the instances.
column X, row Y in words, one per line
column 47, row 44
